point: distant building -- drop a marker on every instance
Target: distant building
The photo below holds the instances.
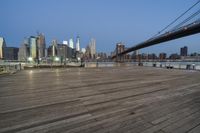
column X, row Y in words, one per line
column 24, row 52
column 144, row 56
column 92, row 46
column 152, row 56
column 184, row 51
column 50, row 51
column 2, row 46
column 54, row 48
column 90, row 51
column 78, row 43
column 33, row 48
column 83, row 50
column 102, row 56
column 65, row 42
column 135, row 55
column 41, row 45
column 71, row 43
column 174, row 56
column 162, row 56
column 11, row 53
column 62, row 51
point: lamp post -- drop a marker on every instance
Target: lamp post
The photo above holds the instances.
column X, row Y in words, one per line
column 30, row 59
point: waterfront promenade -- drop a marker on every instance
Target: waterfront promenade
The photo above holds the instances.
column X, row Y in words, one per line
column 100, row 100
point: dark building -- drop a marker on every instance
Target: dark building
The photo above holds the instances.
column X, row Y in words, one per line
column 24, row 52
column 41, row 45
column 62, row 51
column 102, row 56
column 184, row 51
column 144, row 56
column 174, row 56
column 162, row 56
column 11, row 53
column 152, row 56
column 50, row 51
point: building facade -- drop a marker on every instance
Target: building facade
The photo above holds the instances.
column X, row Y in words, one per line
column 11, row 53
column 24, row 52
column 71, row 43
column 162, row 56
column 184, row 51
column 33, row 48
column 41, row 45
column 78, row 43
column 93, row 47
column 2, row 46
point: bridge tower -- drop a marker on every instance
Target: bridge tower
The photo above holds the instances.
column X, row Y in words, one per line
column 120, row 47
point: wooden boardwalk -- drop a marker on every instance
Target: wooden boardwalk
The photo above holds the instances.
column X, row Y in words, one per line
column 100, row 100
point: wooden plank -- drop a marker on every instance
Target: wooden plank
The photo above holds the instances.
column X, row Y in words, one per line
column 119, row 99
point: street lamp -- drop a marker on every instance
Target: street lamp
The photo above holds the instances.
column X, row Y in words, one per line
column 30, row 59
column 57, row 59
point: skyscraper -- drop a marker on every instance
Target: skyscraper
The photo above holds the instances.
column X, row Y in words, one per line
column 184, row 51
column 71, row 43
column 2, row 45
column 93, row 47
column 11, row 53
column 23, row 53
column 41, row 45
column 54, row 47
column 78, row 43
column 33, row 47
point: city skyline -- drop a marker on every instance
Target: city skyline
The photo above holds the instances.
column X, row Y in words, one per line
column 87, row 19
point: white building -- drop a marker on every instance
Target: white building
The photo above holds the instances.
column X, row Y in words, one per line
column 93, row 46
column 78, row 43
column 83, row 50
column 65, row 42
column 54, row 45
column 2, row 45
column 71, row 43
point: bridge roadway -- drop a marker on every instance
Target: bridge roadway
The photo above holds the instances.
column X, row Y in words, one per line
column 187, row 30
column 100, row 100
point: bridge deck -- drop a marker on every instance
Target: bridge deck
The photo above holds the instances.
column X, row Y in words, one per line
column 101, row 100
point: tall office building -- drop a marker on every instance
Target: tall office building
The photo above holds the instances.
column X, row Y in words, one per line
column 78, row 43
column 71, row 43
column 33, row 47
column 11, row 53
column 2, row 46
column 62, row 51
column 184, row 51
column 93, row 47
column 24, row 52
column 41, row 45
column 54, row 47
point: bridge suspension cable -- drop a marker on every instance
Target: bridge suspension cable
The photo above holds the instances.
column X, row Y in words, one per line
column 177, row 19
column 186, row 20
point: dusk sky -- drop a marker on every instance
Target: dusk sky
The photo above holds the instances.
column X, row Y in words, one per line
column 108, row 21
